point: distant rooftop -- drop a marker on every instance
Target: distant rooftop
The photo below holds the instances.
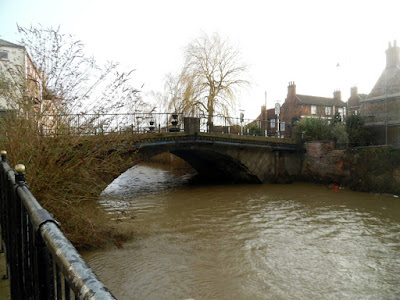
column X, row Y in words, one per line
column 8, row 44
column 315, row 100
column 388, row 84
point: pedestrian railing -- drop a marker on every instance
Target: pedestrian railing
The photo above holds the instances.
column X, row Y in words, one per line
column 41, row 262
column 137, row 123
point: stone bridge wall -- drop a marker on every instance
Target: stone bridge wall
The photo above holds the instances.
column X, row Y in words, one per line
column 224, row 159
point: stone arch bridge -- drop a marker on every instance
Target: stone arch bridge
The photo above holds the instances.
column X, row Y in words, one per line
column 230, row 158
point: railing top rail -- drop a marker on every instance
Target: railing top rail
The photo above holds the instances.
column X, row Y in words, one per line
column 80, row 277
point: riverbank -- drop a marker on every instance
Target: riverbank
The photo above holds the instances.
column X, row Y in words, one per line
column 365, row 169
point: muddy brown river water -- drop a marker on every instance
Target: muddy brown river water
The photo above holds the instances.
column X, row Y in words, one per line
column 297, row 241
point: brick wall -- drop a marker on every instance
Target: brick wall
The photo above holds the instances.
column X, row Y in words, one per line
column 323, row 163
column 366, row 169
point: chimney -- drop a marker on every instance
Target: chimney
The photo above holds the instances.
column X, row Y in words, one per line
column 353, row 92
column 337, row 95
column 263, row 112
column 291, row 89
column 392, row 55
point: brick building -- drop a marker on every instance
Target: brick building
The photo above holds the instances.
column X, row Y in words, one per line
column 19, row 78
column 297, row 106
column 268, row 121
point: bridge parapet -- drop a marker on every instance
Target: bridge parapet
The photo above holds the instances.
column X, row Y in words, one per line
column 227, row 138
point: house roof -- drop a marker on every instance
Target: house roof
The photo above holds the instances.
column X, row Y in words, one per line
column 8, row 44
column 315, row 100
column 388, row 84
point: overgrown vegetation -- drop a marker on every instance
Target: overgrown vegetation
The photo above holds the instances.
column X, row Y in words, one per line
column 374, row 169
column 358, row 134
column 320, row 129
column 253, row 129
column 67, row 173
column 351, row 133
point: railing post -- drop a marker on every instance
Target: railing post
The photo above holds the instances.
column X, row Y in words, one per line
column 20, row 174
column 4, row 155
column 15, row 244
column 3, row 215
column 45, row 270
column 26, row 248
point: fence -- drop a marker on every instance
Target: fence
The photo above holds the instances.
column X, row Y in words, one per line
column 94, row 124
column 41, row 262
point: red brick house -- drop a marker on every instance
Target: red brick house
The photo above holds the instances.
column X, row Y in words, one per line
column 297, row 106
column 268, row 121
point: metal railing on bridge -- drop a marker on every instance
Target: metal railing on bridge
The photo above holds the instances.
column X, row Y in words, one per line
column 95, row 124
column 41, row 262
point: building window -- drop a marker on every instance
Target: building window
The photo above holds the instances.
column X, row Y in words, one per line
column 282, row 126
column 272, row 123
column 328, row 111
column 3, row 55
column 313, row 109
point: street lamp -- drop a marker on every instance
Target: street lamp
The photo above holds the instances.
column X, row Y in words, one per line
column 241, row 120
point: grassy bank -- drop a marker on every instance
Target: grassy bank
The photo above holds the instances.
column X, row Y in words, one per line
column 67, row 173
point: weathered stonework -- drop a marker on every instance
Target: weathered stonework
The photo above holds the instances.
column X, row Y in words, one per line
column 323, row 163
column 374, row 169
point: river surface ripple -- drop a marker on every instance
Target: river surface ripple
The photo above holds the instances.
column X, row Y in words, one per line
column 298, row 241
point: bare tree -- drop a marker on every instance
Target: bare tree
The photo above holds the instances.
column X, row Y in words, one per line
column 72, row 78
column 184, row 93
column 211, row 77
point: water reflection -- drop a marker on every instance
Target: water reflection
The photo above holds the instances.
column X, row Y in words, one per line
column 299, row 241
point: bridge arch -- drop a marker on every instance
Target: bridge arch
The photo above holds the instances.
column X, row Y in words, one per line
column 227, row 160
column 212, row 166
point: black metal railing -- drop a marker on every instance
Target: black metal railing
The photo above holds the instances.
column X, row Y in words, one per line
column 95, row 124
column 41, row 262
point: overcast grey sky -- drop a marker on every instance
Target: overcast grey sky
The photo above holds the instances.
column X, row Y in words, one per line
column 301, row 41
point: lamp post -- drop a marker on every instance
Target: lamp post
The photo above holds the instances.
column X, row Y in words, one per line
column 277, row 113
column 241, row 120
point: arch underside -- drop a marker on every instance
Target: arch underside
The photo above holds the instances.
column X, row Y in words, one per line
column 213, row 166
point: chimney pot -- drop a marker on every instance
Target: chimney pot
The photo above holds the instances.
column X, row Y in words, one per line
column 291, row 88
column 392, row 55
column 354, row 91
column 337, row 95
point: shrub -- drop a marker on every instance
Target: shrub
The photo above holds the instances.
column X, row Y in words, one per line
column 358, row 134
column 314, row 129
